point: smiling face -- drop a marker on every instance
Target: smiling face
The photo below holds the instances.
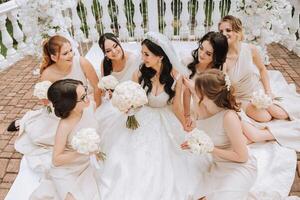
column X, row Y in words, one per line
column 112, row 50
column 65, row 56
column 149, row 59
column 226, row 29
column 205, row 53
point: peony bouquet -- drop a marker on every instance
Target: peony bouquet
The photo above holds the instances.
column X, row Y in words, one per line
column 199, row 142
column 261, row 100
column 128, row 97
column 40, row 91
column 87, row 141
column 108, row 83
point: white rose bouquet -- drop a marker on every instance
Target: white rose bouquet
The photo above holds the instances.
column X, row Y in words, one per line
column 128, row 97
column 261, row 100
column 108, row 83
column 40, row 91
column 199, row 142
column 87, row 141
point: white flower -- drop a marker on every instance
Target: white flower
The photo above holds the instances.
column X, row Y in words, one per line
column 265, row 21
column 260, row 100
column 86, row 141
column 199, row 142
column 129, row 95
column 41, row 89
column 108, row 82
column 36, row 72
column 227, row 82
column 41, row 16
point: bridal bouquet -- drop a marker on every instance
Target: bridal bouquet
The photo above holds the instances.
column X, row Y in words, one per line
column 128, row 97
column 199, row 142
column 261, row 100
column 108, row 83
column 40, row 91
column 87, row 141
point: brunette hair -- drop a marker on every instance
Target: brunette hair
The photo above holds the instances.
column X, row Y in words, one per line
column 220, row 47
column 63, row 96
column 107, row 64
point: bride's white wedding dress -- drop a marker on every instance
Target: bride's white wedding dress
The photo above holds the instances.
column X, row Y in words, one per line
column 147, row 163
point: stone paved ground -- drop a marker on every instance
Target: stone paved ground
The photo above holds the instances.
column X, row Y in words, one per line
column 16, row 85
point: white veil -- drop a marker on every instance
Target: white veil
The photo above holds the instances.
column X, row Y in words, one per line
column 163, row 41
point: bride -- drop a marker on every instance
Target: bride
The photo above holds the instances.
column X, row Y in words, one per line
column 147, row 163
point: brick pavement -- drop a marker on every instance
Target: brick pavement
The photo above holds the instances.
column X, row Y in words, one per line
column 16, row 85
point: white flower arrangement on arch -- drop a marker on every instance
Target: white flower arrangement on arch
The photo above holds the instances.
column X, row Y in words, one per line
column 264, row 21
column 42, row 19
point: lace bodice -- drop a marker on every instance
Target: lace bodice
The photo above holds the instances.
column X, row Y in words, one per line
column 160, row 100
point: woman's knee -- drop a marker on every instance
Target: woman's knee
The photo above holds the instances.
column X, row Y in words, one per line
column 278, row 112
column 259, row 115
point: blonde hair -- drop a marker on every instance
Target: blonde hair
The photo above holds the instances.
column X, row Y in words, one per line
column 236, row 24
column 51, row 46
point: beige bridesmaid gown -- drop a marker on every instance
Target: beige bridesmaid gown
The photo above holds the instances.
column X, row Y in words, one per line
column 226, row 180
column 78, row 178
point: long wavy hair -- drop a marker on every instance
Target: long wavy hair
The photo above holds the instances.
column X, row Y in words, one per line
column 107, row 64
column 220, row 47
column 63, row 96
column 212, row 84
column 51, row 46
column 165, row 77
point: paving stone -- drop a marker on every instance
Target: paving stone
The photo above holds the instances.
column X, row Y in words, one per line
column 9, row 177
column 13, row 166
column 3, row 193
column 3, row 165
column 5, row 185
column 6, row 154
column 3, row 143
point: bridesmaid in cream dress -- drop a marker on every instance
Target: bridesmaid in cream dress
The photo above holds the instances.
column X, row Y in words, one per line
column 233, row 169
column 276, row 161
column 118, row 63
column 247, row 72
column 38, row 128
column 71, row 175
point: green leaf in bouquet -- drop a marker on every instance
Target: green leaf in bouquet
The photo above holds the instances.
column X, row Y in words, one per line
column 101, row 156
column 49, row 110
column 132, row 123
column 278, row 98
